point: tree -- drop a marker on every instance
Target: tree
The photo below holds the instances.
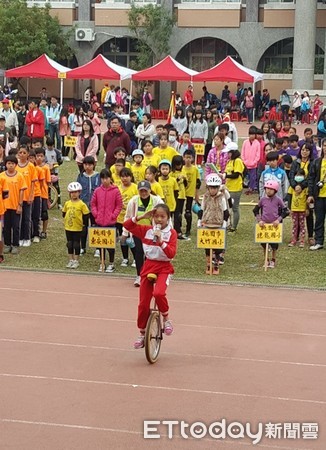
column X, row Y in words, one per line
column 152, row 26
column 26, row 33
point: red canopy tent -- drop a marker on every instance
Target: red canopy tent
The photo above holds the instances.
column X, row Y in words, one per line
column 41, row 67
column 100, row 68
column 166, row 70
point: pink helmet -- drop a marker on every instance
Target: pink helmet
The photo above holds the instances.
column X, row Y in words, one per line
column 272, row 184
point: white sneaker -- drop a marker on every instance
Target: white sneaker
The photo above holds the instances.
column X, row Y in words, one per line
column 75, row 264
column 82, row 251
column 70, row 264
column 110, row 268
column 21, row 243
column 133, row 264
column 124, row 263
column 316, row 247
column 36, row 239
column 27, row 243
column 102, row 268
column 59, row 206
column 137, row 281
column 97, row 253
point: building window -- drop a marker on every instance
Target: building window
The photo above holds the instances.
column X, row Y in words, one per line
column 121, row 51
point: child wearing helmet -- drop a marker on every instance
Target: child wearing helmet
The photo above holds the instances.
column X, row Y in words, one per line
column 214, row 214
column 75, row 213
column 270, row 210
column 169, row 185
column 137, row 168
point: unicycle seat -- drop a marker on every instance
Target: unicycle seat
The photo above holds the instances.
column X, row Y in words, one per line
column 152, row 277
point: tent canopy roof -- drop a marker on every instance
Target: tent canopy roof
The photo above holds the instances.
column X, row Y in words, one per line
column 229, row 70
column 166, row 70
column 100, row 68
column 41, row 67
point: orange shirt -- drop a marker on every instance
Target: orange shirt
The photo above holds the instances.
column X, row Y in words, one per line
column 40, row 177
column 46, row 181
column 29, row 173
column 15, row 183
column 3, row 188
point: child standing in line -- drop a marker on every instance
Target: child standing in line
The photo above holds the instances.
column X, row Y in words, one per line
column 275, row 173
column 214, row 214
column 45, row 183
column 27, row 169
column 186, row 144
column 119, row 153
column 137, row 169
column 37, row 203
column 160, row 246
column 75, row 214
column 54, row 159
column 216, row 155
column 250, row 155
column 16, row 185
column 270, row 210
column 163, row 151
column 118, row 166
column 191, row 172
column 149, row 158
column 169, row 185
column 151, row 175
column 89, row 180
column 299, row 209
column 106, row 205
column 127, row 190
column 3, row 195
column 177, row 164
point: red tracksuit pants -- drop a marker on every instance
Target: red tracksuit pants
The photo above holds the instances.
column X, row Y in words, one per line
column 147, row 290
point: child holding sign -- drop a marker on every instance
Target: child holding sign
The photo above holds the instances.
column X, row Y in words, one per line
column 214, row 214
column 270, row 210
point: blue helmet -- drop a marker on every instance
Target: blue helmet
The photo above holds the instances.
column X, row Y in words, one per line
column 165, row 161
column 196, row 208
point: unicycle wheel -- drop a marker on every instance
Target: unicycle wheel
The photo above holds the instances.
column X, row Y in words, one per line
column 153, row 337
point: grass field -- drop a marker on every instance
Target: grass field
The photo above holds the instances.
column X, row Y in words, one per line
column 243, row 262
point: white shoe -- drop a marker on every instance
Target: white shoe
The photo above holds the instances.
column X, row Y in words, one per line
column 36, row 239
column 97, row 253
column 75, row 264
column 102, row 268
column 66, row 158
column 316, row 247
column 110, row 268
column 137, row 281
column 21, row 243
column 124, row 263
column 70, row 264
column 82, row 251
column 27, row 243
column 59, row 206
column 133, row 264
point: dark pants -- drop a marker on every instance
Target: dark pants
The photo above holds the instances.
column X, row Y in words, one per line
column 80, row 168
column 250, row 114
column 36, row 216
column 252, row 179
column 178, row 215
column 64, row 149
column 320, row 212
column 11, row 228
column 138, row 254
column 54, row 133
column 84, row 233
column 188, row 214
column 26, row 222
column 56, row 185
column 73, row 242
column 285, row 112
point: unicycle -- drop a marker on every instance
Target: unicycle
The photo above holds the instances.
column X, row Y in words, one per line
column 154, row 330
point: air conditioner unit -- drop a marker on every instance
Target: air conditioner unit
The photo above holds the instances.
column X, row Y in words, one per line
column 84, row 34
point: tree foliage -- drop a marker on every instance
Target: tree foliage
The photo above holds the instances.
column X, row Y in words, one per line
column 153, row 27
column 26, row 33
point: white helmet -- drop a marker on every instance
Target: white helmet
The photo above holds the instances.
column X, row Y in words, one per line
column 74, row 187
column 137, row 151
column 213, row 180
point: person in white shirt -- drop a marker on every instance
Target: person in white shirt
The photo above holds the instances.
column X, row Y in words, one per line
column 9, row 114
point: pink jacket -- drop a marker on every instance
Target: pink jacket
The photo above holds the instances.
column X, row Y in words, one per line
column 106, row 205
column 219, row 161
column 250, row 153
column 91, row 149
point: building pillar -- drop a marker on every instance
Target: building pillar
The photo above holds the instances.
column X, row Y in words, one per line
column 304, row 44
column 252, row 11
column 84, row 11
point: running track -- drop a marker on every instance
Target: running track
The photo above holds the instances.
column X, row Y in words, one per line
column 71, row 380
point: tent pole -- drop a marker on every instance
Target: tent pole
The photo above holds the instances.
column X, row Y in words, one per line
column 130, row 95
column 61, row 91
column 253, row 93
column 27, row 89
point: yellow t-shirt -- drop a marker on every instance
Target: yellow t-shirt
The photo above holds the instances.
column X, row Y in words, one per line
column 322, row 192
column 166, row 153
column 169, row 186
column 138, row 173
column 116, row 180
column 75, row 211
column 126, row 193
column 152, row 160
column 299, row 201
column 234, row 184
column 157, row 190
column 192, row 175
column 182, row 188
column 113, row 169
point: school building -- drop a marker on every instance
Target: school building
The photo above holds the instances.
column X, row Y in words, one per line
column 284, row 39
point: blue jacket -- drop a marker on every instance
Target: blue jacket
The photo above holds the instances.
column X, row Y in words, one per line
column 278, row 175
column 89, row 184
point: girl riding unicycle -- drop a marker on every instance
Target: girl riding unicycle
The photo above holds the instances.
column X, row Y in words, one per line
column 160, row 245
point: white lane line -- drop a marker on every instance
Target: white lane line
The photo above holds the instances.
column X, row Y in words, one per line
column 187, row 355
column 195, row 302
column 139, row 433
column 162, row 388
column 246, row 330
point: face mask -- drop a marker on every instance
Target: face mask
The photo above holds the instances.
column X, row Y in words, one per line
column 299, row 178
column 172, row 138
